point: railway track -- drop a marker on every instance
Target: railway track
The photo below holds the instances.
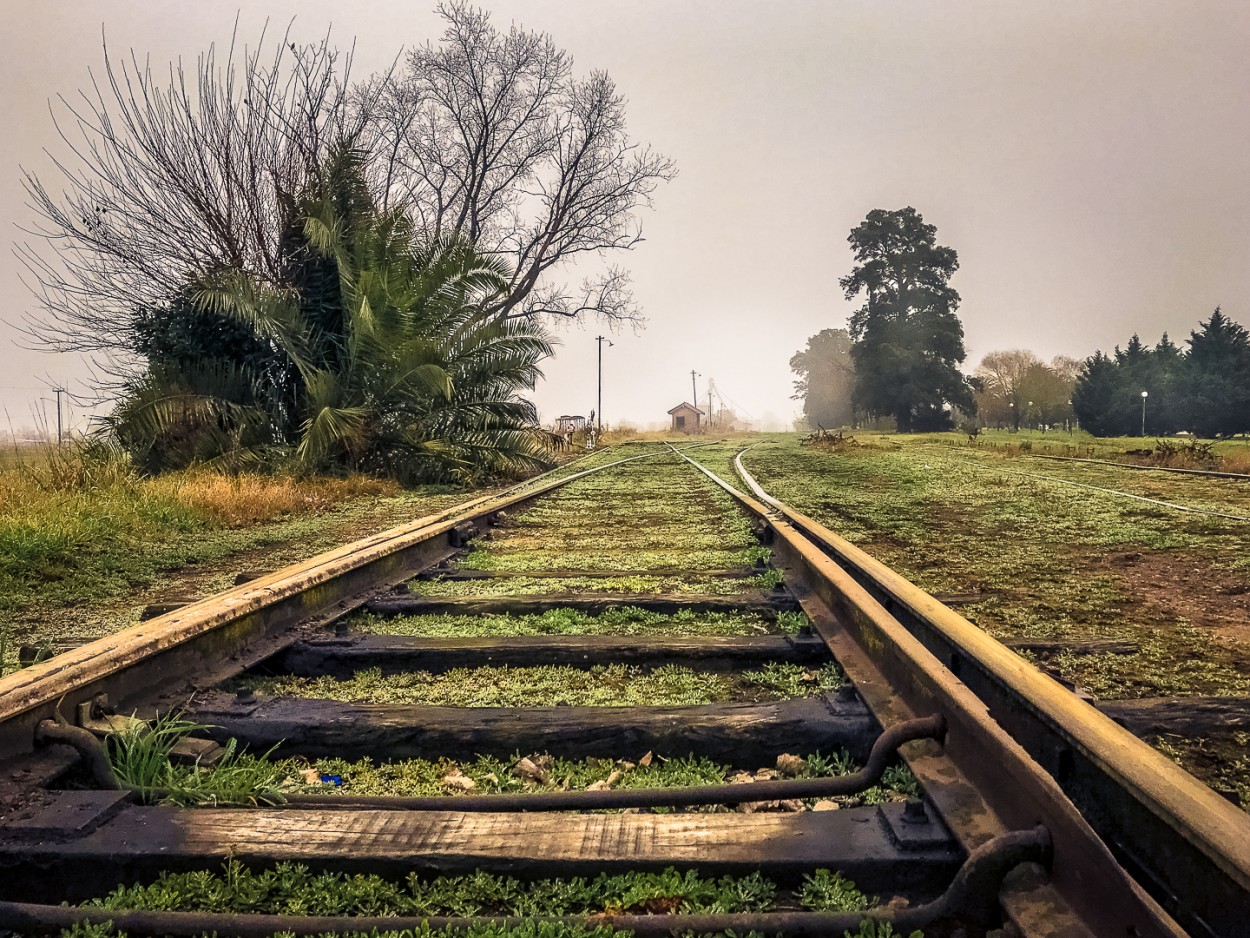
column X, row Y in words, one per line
column 631, row 698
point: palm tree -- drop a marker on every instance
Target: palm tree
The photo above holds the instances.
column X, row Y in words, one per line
column 377, row 352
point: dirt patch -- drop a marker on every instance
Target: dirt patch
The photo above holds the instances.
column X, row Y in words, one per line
column 1171, row 585
column 1221, row 760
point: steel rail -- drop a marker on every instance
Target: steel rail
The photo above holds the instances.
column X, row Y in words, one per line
column 1116, row 492
column 216, row 637
column 1213, row 473
column 982, row 781
column 1187, row 845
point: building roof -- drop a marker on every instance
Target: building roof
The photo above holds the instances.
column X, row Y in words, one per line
column 687, row 407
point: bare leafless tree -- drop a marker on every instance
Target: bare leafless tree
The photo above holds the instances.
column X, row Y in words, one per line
column 170, row 176
column 490, row 135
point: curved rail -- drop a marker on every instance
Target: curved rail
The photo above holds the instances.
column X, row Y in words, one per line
column 1213, row 473
column 1187, row 845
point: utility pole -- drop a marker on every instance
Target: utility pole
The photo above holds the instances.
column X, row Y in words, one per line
column 694, row 394
column 59, row 392
column 599, row 411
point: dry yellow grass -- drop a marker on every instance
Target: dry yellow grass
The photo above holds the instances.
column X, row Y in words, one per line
column 249, row 498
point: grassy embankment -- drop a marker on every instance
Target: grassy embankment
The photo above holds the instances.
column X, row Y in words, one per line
column 1041, row 559
column 86, row 543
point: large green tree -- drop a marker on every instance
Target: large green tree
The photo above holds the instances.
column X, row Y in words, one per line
column 375, row 352
column 908, row 342
column 1099, row 397
column 826, row 379
column 1205, row 389
column 1215, row 378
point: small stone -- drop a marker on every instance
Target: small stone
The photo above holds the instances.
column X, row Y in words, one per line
column 311, row 776
column 600, row 785
column 741, row 778
column 764, row 775
column 646, row 760
column 527, row 769
column 614, row 777
column 790, row 765
column 826, row 806
column 748, row 807
column 792, row 805
column 460, row 782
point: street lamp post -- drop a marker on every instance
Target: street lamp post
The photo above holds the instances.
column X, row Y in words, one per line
column 1144, row 395
column 599, row 411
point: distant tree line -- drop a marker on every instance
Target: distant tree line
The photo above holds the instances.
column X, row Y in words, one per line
column 269, row 257
column 900, row 359
column 1016, row 388
column 1203, row 389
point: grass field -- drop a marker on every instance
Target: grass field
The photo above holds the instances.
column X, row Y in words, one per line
column 1042, row 558
column 85, row 543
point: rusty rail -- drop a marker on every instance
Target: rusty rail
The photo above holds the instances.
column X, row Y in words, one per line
column 999, row 787
column 1188, row 846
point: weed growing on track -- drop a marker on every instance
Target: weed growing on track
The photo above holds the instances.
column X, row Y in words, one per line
column 292, row 889
column 613, row 685
column 530, row 586
column 624, row 620
column 485, row 930
column 140, row 757
column 653, row 514
column 422, row 777
column 790, row 680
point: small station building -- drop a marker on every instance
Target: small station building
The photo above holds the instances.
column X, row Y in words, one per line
column 686, row 418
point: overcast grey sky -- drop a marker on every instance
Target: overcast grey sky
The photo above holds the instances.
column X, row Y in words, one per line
column 1088, row 160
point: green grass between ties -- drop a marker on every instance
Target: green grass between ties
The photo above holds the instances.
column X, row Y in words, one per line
column 684, row 585
column 624, row 620
column 654, row 514
column 293, row 889
column 141, row 758
column 556, row 685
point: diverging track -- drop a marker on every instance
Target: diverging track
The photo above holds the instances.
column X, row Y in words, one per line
column 631, row 698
